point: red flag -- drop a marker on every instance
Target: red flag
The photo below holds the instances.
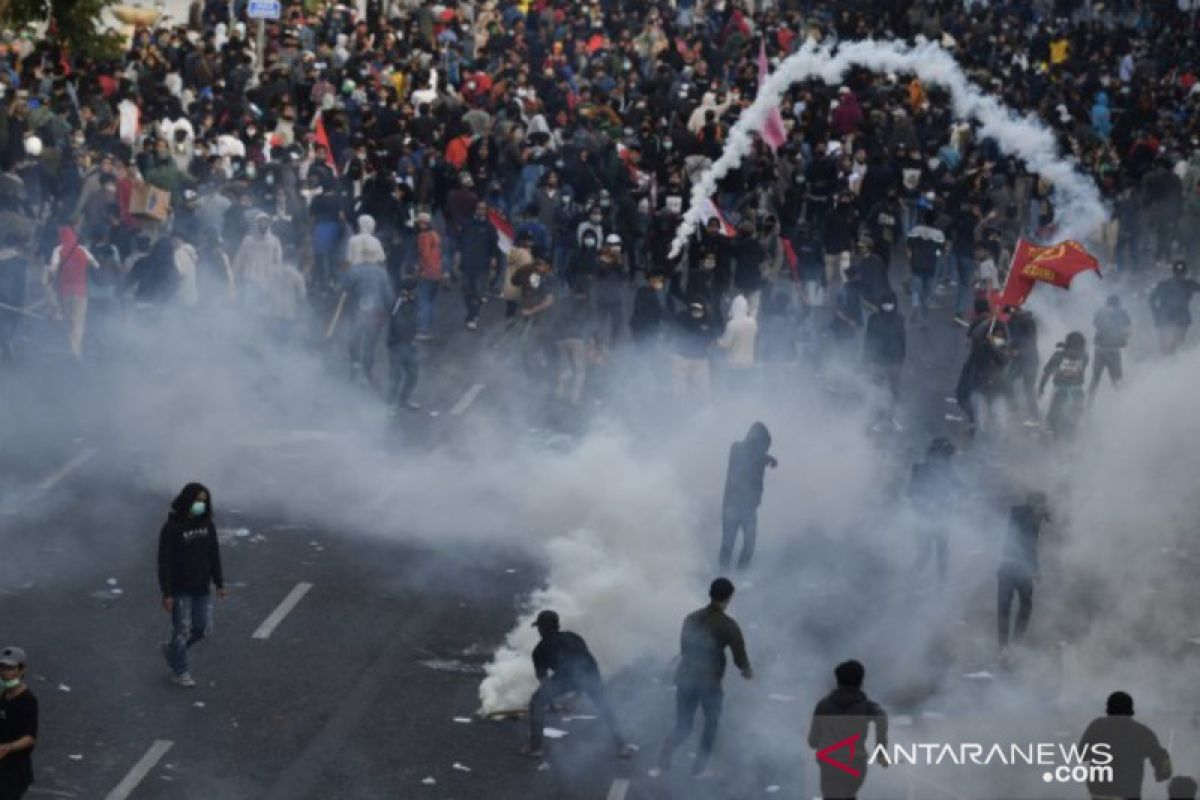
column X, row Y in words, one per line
column 504, row 230
column 1057, row 264
column 773, row 132
column 322, row 138
column 789, row 255
column 709, row 210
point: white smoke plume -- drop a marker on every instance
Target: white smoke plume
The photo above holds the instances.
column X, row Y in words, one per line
column 1076, row 198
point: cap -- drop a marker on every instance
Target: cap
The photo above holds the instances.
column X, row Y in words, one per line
column 12, row 657
column 546, row 619
column 612, row 239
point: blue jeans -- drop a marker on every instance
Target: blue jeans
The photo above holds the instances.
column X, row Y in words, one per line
column 733, row 519
column 922, row 288
column 191, row 621
column 426, row 299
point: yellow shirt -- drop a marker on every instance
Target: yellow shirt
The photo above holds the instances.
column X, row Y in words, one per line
column 1058, row 51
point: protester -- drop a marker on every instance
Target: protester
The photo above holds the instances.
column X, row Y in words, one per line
column 1131, row 745
column 1170, row 303
column 70, row 263
column 1112, row 335
column 564, row 665
column 885, row 348
column 1067, row 367
column 14, row 269
column 844, row 714
column 935, row 492
column 748, row 462
column 402, row 347
column 189, row 565
column 18, row 725
column 1019, row 567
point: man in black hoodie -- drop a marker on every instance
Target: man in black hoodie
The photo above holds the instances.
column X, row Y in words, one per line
column 748, row 461
column 839, row 723
column 885, row 347
column 1019, row 566
column 189, row 563
column 402, row 347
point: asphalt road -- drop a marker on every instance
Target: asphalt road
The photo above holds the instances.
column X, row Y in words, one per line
column 367, row 687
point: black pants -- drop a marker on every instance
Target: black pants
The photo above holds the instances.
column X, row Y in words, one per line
column 558, row 685
column 406, row 368
column 1019, row 581
column 733, row 519
column 838, row 785
column 472, row 290
column 687, row 700
column 12, row 792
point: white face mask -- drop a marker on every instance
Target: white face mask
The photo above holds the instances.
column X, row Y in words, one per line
column 888, row 306
column 535, row 281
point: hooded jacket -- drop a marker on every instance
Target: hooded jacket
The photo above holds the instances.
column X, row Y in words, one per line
column 747, row 463
column 189, row 554
column 1101, row 116
column 844, row 713
column 364, row 247
column 740, row 334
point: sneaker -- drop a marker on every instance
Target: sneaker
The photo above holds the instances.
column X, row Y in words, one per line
column 472, row 325
column 183, row 679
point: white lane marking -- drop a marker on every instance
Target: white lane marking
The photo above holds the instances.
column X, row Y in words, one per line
column 282, row 610
column 465, row 401
column 38, row 790
column 140, row 770
column 620, row 786
column 72, row 465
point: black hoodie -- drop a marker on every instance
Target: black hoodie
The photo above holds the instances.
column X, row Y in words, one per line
column 189, row 555
column 747, row 463
column 843, row 713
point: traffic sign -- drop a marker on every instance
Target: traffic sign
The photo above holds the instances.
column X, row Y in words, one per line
column 264, row 9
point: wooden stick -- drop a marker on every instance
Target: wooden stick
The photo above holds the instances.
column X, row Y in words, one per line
column 337, row 314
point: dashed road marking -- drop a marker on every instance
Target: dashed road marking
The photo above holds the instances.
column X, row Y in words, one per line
column 140, row 770
column 619, row 788
column 72, row 465
column 465, row 401
column 282, row 610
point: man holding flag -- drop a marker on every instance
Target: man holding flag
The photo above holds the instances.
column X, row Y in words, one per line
column 1056, row 264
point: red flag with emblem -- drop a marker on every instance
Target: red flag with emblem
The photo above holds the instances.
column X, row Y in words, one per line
column 1057, row 264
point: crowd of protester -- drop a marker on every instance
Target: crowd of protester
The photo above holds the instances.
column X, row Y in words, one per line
column 544, row 151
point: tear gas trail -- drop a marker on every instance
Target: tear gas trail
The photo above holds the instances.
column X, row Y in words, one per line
column 1077, row 200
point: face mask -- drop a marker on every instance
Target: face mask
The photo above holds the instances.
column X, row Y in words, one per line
column 999, row 342
column 198, row 508
column 888, row 306
column 535, row 281
column 14, row 683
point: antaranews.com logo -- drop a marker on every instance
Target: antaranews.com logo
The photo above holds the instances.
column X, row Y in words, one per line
column 1062, row 763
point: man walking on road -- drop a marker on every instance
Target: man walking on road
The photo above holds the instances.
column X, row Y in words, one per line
column 840, row 722
column 189, row 563
column 1131, row 744
column 706, row 633
column 748, row 461
column 1019, row 567
column 564, row 665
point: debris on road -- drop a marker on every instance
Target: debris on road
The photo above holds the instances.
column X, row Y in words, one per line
column 463, row 720
column 429, row 781
column 62, row 687
column 460, row 767
column 553, row 733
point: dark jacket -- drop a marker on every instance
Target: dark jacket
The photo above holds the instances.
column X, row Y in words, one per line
column 189, row 555
column 479, row 246
column 1021, row 546
column 886, row 340
column 1171, row 300
column 648, row 314
column 702, row 642
column 693, row 336
column 747, row 462
column 843, row 713
column 1131, row 744
column 402, row 325
column 566, row 655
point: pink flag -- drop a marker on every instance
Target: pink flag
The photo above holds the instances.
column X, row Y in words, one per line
column 773, row 132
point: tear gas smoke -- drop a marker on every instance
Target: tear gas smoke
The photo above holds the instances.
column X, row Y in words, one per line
column 1076, row 198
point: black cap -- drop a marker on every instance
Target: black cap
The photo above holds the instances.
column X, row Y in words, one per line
column 546, row 619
